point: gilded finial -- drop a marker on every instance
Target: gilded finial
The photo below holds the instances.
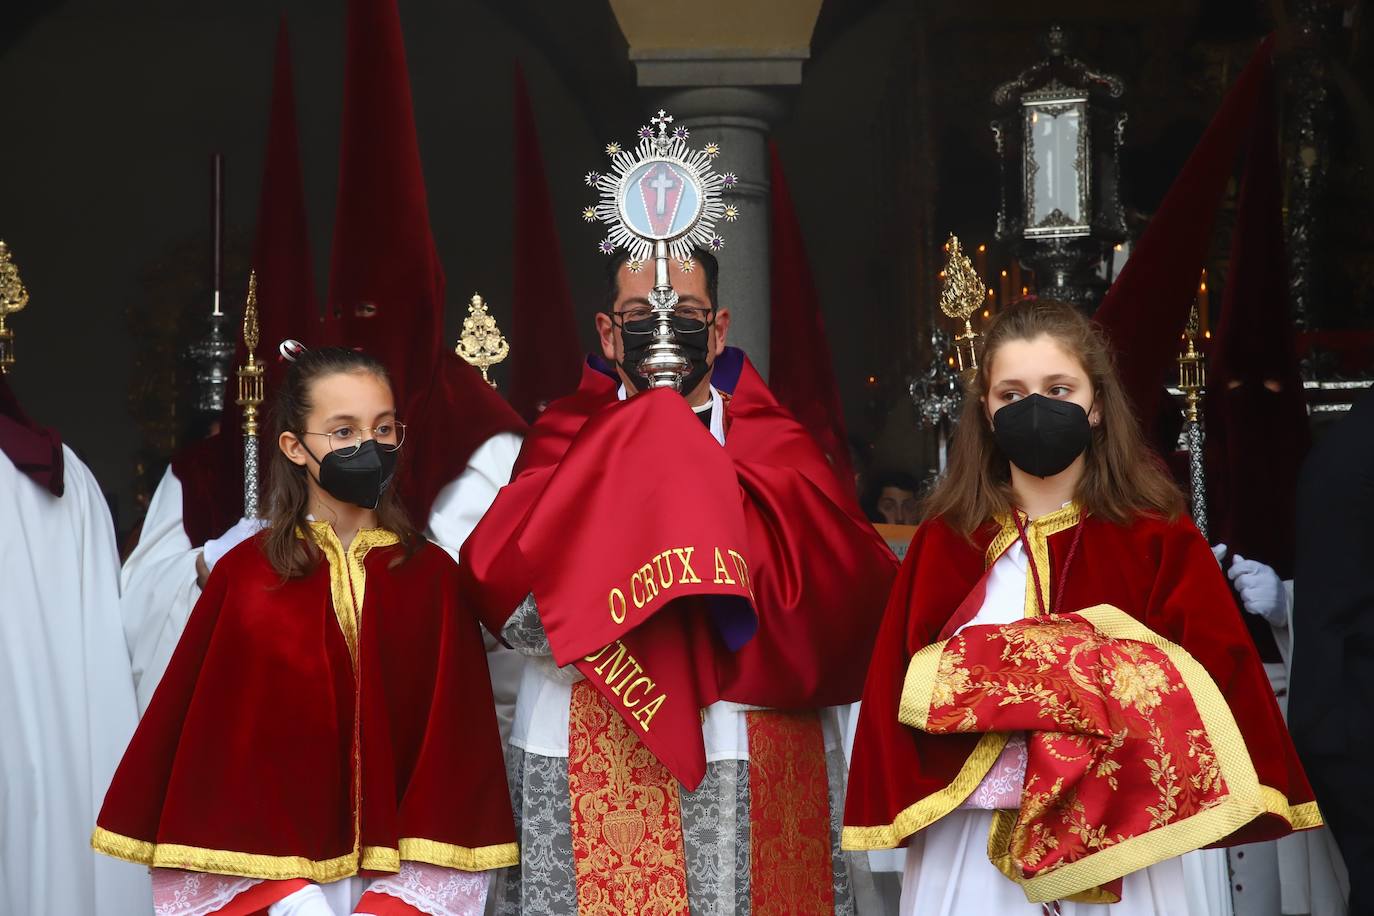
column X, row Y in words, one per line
column 1192, row 369
column 962, row 295
column 250, row 374
column 13, row 298
column 250, row 317
column 482, row 344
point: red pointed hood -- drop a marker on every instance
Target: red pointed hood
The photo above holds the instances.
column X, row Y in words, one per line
column 386, row 285
column 801, row 372
column 287, row 307
column 1145, row 310
column 1257, row 428
column 547, row 361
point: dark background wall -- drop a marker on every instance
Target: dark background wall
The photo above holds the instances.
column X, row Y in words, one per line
column 113, row 111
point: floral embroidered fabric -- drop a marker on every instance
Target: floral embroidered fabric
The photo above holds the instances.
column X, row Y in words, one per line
column 436, row 890
column 193, row 893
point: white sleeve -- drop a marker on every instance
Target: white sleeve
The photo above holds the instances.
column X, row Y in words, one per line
column 159, row 588
column 457, row 510
column 460, row 505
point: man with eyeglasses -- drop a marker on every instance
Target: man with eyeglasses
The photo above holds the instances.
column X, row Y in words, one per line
column 693, row 587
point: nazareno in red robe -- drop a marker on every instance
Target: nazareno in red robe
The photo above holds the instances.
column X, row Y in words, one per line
column 294, row 738
column 744, row 573
column 1158, row 572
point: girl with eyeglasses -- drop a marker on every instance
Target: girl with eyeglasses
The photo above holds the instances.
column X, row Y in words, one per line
column 325, row 731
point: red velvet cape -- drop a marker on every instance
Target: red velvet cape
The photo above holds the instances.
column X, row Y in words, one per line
column 604, row 489
column 264, row 755
column 1161, row 573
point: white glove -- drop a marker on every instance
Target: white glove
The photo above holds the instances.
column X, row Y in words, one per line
column 308, row 901
column 1261, row 590
column 1219, row 551
column 215, row 548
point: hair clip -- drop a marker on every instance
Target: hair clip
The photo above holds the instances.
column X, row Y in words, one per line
column 291, row 350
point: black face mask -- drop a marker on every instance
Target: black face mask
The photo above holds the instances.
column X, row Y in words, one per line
column 1042, row 436
column 637, row 335
column 361, row 478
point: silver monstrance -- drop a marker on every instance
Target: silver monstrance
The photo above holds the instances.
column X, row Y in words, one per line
column 661, row 200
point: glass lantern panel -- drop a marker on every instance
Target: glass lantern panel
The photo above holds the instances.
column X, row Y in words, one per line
column 1054, row 165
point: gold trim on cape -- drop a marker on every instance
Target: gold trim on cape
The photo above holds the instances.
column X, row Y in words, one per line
column 928, row 810
column 348, row 575
column 277, row 868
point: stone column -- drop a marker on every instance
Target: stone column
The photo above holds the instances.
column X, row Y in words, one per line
column 734, row 99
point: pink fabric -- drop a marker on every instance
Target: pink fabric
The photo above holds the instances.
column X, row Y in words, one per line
column 435, row 890
column 1001, row 788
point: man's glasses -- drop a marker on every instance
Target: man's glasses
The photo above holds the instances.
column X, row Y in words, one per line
column 687, row 319
column 346, row 440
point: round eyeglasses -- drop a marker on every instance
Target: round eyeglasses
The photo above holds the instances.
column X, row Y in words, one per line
column 346, row 440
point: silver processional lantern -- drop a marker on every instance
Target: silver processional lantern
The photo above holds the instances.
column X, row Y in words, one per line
column 1058, row 135
column 660, row 201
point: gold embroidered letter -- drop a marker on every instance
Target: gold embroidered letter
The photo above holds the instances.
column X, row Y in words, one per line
column 722, row 571
column 629, row 674
column 646, row 575
column 619, row 662
column 665, row 570
column 742, row 568
column 684, row 556
column 646, row 714
column 617, row 596
column 648, row 685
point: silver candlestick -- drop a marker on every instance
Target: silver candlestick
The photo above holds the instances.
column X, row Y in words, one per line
column 1192, row 381
column 661, row 200
column 938, row 394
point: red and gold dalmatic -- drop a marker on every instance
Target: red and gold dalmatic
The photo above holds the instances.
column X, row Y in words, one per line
column 674, row 573
column 1150, row 729
column 318, row 728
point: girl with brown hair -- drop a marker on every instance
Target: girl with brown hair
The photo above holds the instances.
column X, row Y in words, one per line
column 1063, row 699
column 327, row 716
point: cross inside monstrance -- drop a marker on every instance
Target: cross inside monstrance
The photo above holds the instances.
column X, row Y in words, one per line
column 661, row 200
